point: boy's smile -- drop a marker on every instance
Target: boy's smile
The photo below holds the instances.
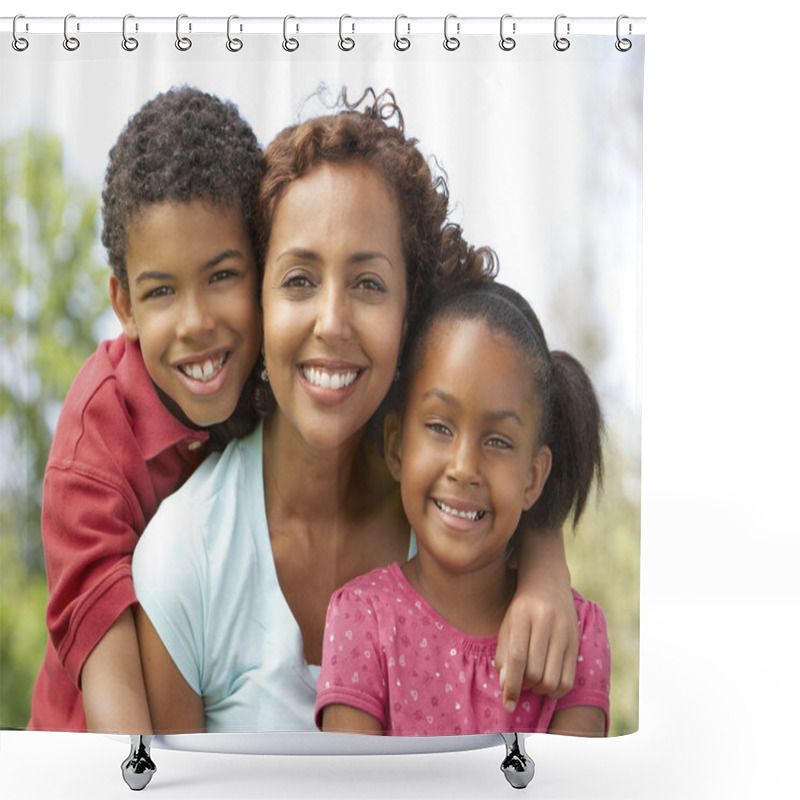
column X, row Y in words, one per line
column 192, row 304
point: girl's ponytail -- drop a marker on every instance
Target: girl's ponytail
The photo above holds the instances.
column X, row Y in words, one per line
column 574, row 436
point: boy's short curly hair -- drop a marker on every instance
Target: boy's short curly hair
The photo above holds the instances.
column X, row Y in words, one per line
column 182, row 145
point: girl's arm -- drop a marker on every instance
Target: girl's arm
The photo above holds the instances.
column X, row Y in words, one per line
column 537, row 646
column 579, row 721
column 112, row 685
column 346, row 719
column 174, row 706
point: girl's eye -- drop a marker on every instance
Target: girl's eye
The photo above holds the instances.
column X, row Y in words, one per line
column 222, row 274
column 437, row 427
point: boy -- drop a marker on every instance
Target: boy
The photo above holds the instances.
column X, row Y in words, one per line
column 148, row 406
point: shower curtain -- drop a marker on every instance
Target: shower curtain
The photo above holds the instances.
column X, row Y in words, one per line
column 537, row 124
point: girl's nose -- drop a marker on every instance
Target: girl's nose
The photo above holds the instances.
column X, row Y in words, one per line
column 332, row 322
column 464, row 465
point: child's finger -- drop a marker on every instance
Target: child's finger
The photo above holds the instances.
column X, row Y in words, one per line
column 511, row 658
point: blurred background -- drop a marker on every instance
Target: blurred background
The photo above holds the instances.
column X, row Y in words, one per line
column 543, row 157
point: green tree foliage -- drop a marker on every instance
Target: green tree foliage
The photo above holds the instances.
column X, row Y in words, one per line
column 52, row 294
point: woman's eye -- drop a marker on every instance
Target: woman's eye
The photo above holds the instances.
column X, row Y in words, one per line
column 371, row 285
column 296, row 282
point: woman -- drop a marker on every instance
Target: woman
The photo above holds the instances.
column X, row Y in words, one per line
column 234, row 592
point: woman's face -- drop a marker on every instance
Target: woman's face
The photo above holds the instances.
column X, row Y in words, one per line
column 334, row 301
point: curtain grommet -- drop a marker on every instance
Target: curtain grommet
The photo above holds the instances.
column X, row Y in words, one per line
column 71, row 43
column 346, row 43
column 561, row 43
column 19, row 43
column 623, row 45
column 183, row 43
column 129, row 43
column 451, row 43
column 401, row 43
column 289, row 44
column 234, row 44
column 507, row 42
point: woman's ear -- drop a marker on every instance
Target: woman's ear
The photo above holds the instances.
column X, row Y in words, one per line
column 392, row 441
column 537, row 477
column 123, row 308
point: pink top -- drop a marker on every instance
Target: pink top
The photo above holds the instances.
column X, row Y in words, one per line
column 388, row 653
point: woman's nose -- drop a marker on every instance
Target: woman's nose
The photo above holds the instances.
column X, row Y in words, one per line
column 332, row 323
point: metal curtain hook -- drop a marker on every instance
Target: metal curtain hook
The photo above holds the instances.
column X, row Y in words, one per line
column 451, row 42
column 70, row 42
column 623, row 45
column 233, row 44
column 182, row 42
column 345, row 42
column 561, row 43
column 19, row 43
column 506, row 42
column 129, row 43
column 290, row 44
column 401, row 42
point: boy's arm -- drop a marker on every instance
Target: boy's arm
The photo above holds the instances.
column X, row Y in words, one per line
column 346, row 719
column 537, row 647
column 174, row 706
column 112, row 684
column 579, row 721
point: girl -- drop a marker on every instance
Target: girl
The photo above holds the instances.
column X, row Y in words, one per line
column 235, row 572
column 491, row 424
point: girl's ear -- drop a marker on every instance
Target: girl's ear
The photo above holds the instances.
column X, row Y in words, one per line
column 123, row 308
column 392, row 440
column 537, row 477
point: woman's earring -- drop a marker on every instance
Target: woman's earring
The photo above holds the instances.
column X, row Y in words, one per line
column 264, row 373
column 397, row 372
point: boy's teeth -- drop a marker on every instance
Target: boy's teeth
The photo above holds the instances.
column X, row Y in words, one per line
column 203, row 371
column 329, row 380
column 471, row 515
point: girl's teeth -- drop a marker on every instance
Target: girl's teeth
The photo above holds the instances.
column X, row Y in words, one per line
column 205, row 371
column 471, row 515
column 328, row 380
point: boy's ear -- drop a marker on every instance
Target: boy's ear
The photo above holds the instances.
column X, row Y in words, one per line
column 123, row 308
column 392, row 439
column 537, row 477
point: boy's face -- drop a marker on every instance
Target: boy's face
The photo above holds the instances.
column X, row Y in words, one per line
column 192, row 304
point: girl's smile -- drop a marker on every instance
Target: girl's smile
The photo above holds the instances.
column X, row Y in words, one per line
column 334, row 300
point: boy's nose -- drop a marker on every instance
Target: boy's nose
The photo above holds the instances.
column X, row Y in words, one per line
column 196, row 317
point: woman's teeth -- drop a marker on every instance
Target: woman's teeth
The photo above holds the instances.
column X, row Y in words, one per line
column 329, row 380
column 203, row 370
column 471, row 515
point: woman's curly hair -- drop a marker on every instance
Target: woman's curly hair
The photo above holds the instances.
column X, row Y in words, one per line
column 434, row 249
column 182, row 145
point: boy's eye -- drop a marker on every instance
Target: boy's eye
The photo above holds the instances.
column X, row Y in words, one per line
column 222, row 274
column 496, row 441
column 438, row 427
column 159, row 291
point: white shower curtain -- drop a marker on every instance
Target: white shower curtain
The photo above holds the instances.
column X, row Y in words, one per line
column 542, row 148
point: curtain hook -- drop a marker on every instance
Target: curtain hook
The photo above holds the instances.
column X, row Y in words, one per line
column 71, row 43
column 129, row 43
column 346, row 42
column 507, row 42
column 451, row 42
column 623, row 45
column 233, row 44
column 19, row 43
column 290, row 44
column 561, row 43
column 182, row 42
column 401, row 42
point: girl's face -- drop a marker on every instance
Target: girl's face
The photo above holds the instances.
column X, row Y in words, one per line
column 192, row 304
column 467, row 454
column 334, row 301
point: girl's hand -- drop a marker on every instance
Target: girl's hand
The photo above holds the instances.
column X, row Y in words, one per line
column 537, row 647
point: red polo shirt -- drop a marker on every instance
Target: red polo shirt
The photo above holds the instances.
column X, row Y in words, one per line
column 116, row 454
